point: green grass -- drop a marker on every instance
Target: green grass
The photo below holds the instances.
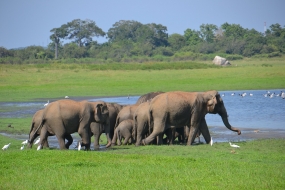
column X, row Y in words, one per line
column 29, row 82
column 256, row 165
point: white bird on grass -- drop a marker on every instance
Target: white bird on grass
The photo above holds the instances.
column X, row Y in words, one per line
column 45, row 105
column 234, row 145
column 39, row 147
column 37, row 141
column 79, row 146
column 211, row 142
column 66, row 97
column 5, row 147
column 22, row 147
column 24, row 142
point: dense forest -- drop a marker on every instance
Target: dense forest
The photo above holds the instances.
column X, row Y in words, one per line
column 132, row 41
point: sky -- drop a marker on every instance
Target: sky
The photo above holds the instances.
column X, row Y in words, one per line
column 26, row 23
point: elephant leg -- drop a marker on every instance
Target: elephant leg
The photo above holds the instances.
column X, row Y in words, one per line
column 205, row 131
column 160, row 139
column 97, row 130
column 45, row 143
column 85, row 134
column 157, row 130
column 69, row 139
column 126, row 140
column 192, row 134
column 61, row 141
column 119, row 138
column 43, row 137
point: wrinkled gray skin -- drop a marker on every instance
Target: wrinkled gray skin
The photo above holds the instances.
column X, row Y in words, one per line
column 97, row 128
column 36, row 121
column 124, row 130
column 126, row 113
column 179, row 109
column 147, row 97
column 65, row 117
column 181, row 134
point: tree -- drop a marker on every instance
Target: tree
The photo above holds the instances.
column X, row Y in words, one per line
column 207, row 32
column 192, row 37
column 82, row 31
column 58, row 33
column 234, row 31
column 124, row 30
column 176, row 41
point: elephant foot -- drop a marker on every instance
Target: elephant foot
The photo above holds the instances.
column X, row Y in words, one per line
column 108, row 145
column 113, row 144
column 143, row 142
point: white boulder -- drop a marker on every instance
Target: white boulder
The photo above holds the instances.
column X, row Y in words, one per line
column 221, row 61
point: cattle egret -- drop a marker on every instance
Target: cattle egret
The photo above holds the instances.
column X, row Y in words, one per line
column 283, row 95
column 234, row 145
column 79, row 146
column 46, row 103
column 5, row 147
column 22, row 147
column 37, row 141
column 211, row 142
column 25, row 142
column 39, row 147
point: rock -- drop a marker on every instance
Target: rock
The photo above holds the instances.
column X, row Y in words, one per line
column 221, row 61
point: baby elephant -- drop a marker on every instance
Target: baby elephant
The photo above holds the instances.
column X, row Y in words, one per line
column 124, row 130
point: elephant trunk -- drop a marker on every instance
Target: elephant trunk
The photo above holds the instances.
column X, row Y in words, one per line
column 227, row 124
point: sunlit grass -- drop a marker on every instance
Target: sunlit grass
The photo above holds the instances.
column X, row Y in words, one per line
column 256, row 165
column 28, row 82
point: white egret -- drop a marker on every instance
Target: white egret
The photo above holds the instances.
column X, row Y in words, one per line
column 46, row 103
column 79, row 146
column 211, row 142
column 39, row 147
column 37, row 141
column 25, row 142
column 22, row 147
column 66, row 97
column 234, row 145
column 5, row 147
column 283, row 95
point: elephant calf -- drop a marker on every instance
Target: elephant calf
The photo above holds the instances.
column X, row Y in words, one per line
column 124, row 130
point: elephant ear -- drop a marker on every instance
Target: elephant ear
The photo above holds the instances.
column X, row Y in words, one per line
column 211, row 99
column 102, row 108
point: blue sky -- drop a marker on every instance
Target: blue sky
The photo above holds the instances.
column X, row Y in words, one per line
column 25, row 23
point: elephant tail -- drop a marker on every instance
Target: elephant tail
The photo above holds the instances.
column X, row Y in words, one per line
column 32, row 137
column 135, row 127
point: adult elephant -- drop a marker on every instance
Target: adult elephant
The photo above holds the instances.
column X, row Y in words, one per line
column 147, row 97
column 124, row 130
column 36, row 121
column 97, row 128
column 178, row 109
column 64, row 117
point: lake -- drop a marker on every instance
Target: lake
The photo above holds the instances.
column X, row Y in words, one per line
column 257, row 116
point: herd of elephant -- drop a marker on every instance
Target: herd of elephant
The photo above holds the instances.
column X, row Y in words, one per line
column 174, row 114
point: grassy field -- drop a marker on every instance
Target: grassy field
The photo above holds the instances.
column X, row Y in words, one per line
column 29, row 82
column 256, row 165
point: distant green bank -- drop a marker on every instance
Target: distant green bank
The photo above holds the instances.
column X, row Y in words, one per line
column 29, row 82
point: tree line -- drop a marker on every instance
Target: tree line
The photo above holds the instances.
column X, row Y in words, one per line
column 130, row 40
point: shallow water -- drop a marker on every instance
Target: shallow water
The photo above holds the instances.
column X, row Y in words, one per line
column 257, row 116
